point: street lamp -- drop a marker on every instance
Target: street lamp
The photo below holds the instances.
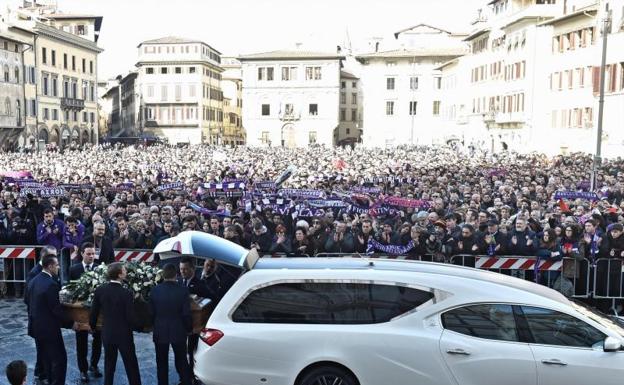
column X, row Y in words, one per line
column 606, row 23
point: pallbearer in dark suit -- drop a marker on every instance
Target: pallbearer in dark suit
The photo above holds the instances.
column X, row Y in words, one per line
column 171, row 312
column 41, row 370
column 115, row 304
column 47, row 318
column 87, row 251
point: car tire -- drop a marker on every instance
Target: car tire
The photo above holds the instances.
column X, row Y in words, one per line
column 328, row 375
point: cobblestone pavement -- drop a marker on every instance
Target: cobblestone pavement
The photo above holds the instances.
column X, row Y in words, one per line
column 16, row 344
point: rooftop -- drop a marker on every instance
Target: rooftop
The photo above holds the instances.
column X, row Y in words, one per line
column 417, row 52
column 175, row 40
column 347, row 75
column 290, row 55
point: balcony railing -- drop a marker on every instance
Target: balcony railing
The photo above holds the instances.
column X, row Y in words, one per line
column 72, row 104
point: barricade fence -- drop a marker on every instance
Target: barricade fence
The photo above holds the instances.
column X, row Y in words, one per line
column 15, row 264
column 603, row 279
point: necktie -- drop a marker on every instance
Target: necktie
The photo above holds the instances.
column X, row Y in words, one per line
column 185, row 282
column 90, row 267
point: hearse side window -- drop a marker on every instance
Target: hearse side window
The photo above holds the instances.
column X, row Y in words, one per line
column 328, row 303
column 492, row 322
column 550, row 327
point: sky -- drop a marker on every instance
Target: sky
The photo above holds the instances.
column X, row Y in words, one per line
column 237, row 27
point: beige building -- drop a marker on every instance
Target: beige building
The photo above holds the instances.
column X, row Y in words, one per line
column 61, row 71
column 180, row 95
column 12, row 87
column 232, row 85
column 349, row 131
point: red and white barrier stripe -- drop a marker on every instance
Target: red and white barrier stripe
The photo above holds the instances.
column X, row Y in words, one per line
column 489, row 263
column 133, row 256
column 17, row 252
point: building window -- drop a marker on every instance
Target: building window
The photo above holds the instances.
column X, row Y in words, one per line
column 54, row 86
column 149, row 70
column 54, row 114
column 389, row 108
column 85, row 90
column 85, row 117
column 191, row 69
column 391, row 64
column 46, row 114
column 413, row 106
column 389, row 83
column 44, row 85
column 348, row 131
column 343, row 85
column 354, row 98
column 150, row 91
column 414, row 83
column 64, row 61
column 265, row 73
column 343, row 115
column 73, row 63
column 192, row 90
column 436, row 108
column 353, row 84
column 353, row 116
column 84, row 65
column 289, row 73
column 33, row 108
column 313, row 109
column 266, row 110
column 313, row 73
column 163, row 93
column 178, row 70
column 163, row 70
column 92, row 91
column 343, row 98
column 312, row 137
column 44, row 55
column 17, row 75
column 91, row 66
column 264, row 138
column 6, row 73
column 178, row 92
column 437, row 82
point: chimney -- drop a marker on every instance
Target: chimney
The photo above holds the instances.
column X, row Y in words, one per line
column 338, row 49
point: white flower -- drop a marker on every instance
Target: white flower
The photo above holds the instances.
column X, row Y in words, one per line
column 135, row 287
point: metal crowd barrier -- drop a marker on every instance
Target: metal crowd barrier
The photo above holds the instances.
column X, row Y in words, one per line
column 15, row 264
column 574, row 277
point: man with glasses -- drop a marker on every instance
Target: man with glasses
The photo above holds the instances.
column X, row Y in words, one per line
column 317, row 235
column 87, row 252
column 103, row 244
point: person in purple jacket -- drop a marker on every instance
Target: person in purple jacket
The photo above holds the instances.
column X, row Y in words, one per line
column 73, row 235
column 50, row 231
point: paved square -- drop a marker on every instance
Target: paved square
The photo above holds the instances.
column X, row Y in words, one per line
column 16, row 344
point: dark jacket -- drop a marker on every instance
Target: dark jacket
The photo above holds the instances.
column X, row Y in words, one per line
column 521, row 247
column 115, row 304
column 104, row 246
column 263, row 240
column 345, row 245
column 612, row 247
column 171, row 313
column 498, row 241
column 46, row 314
column 196, row 286
column 77, row 269
column 284, row 247
column 220, row 281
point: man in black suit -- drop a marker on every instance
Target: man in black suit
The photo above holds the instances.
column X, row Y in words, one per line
column 115, row 304
column 195, row 286
column 47, row 317
column 87, row 252
column 40, row 366
column 171, row 313
column 103, row 243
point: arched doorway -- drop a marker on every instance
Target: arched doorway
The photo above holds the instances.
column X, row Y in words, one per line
column 65, row 137
column 288, row 135
column 85, row 137
column 75, row 136
column 44, row 136
column 54, row 136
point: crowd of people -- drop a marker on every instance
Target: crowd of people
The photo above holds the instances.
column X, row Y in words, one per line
column 451, row 202
column 435, row 201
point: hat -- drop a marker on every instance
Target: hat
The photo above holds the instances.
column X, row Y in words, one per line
column 617, row 226
column 492, row 222
column 440, row 224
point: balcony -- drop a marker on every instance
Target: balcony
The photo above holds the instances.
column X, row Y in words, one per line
column 289, row 116
column 72, row 104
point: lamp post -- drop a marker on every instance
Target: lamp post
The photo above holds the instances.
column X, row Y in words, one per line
column 606, row 22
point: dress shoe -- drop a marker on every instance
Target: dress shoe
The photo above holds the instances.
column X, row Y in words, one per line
column 84, row 378
column 95, row 372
